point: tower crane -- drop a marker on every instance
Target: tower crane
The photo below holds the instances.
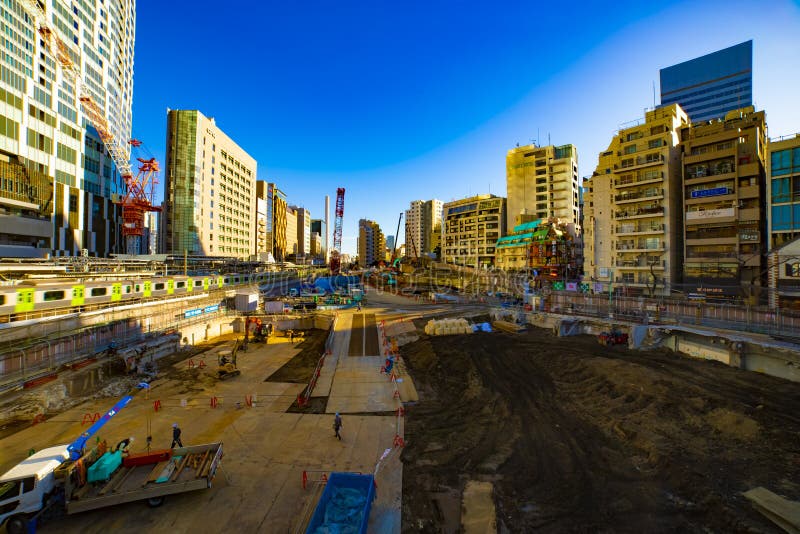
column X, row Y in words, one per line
column 336, row 260
column 136, row 202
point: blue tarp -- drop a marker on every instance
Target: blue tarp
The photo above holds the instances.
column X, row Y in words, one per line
column 344, row 505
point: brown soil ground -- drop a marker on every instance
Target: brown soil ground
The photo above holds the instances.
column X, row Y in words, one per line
column 300, row 368
column 577, row 437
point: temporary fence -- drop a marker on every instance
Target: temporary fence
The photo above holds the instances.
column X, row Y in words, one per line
column 37, row 360
column 757, row 319
column 305, row 397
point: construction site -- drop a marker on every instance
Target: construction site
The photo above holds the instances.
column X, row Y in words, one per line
column 463, row 421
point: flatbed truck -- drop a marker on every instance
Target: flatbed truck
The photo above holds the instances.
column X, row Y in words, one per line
column 48, row 483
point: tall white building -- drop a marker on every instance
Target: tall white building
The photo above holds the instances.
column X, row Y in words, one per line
column 210, row 190
column 303, row 231
column 57, row 169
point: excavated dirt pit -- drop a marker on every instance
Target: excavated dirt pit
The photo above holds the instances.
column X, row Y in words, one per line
column 577, row 437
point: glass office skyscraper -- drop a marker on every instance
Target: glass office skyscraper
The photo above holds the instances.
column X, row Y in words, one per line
column 709, row 86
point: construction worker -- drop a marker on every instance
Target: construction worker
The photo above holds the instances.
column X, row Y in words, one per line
column 337, row 424
column 176, row 436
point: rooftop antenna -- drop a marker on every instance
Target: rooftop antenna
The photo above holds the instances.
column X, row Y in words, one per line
column 654, row 93
column 548, row 138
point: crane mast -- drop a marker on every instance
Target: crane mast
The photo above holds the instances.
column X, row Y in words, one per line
column 335, row 264
column 136, row 202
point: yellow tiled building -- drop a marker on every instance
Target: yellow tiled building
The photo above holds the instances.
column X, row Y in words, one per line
column 632, row 207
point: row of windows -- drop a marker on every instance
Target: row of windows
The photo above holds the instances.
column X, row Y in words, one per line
column 785, row 161
column 9, row 128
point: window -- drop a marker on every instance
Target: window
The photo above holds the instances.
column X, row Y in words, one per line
column 98, row 291
column 53, row 295
column 159, row 286
column 179, row 285
column 630, row 149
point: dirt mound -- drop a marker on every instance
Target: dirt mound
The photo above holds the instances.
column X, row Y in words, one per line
column 578, row 437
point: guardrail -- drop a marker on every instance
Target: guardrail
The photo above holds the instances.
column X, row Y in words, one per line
column 304, row 397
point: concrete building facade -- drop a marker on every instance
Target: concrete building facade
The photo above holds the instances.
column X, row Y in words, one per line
column 633, row 205
column 320, row 227
column 710, row 86
column 303, row 231
column 371, row 243
column 292, row 243
column 472, row 227
column 56, row 170
column 542, row 183
column 423, row 220
column 724, row 195
column 783, row 190
column 279, row 225
column 210, row 190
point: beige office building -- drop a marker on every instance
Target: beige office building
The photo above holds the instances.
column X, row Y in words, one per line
column 292, row 245
column 472, row 227
column 210, row 188
column 542, row 183
column 633, row 208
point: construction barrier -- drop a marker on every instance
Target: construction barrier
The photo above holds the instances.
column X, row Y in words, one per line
column 89, row 418
column 323, row 478
column 156, row 405
column 214, row 402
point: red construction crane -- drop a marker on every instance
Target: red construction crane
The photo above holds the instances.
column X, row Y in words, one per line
column 136, row 202
column 335, row 264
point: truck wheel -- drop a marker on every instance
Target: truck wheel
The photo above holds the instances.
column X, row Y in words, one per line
column 17, row 525
column 155, row 502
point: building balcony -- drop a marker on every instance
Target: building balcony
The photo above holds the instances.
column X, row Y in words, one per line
column 639, row 162
column 639, row 213
column 749, row 214
column 749, row 169
column 639, row 180
column 638, row 196
column 639, row 247
column 633, row 229
column 640, row 264
column 748, row 191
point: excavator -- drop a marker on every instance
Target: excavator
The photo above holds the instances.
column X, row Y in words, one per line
column 227, row 365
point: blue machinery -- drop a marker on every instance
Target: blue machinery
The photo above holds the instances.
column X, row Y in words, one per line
column 76, row 447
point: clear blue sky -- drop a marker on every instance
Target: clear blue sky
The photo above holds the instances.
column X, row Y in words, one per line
column 398, row 101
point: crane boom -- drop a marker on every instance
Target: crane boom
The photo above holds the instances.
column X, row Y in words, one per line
column 76, row 447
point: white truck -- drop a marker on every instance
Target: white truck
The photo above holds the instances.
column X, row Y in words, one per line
column 70, row 479
column 48, row 483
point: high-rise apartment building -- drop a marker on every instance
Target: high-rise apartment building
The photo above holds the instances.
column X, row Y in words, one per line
column 632, row 206
column 210, row 189
column 371, row 243
column 783, row 191
column 710, row 86
column 423, row 220
column 542, row 183
column 59, row 181
column 472, row 227
column 724, row 197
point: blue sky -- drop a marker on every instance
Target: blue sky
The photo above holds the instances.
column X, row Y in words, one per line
column 422, row 99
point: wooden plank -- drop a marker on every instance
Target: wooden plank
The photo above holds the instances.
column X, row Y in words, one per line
column 114, row 479
column 202, row 463
column 782, row 512
column 177, row 472
column 154, row 474
column 123, row 479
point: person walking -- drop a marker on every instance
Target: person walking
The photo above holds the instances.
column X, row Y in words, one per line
column 337, row 424
column 176, row 436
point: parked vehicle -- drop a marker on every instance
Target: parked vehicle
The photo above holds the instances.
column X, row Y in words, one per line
column 68, row 479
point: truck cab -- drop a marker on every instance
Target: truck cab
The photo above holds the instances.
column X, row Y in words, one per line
column 26, row 486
